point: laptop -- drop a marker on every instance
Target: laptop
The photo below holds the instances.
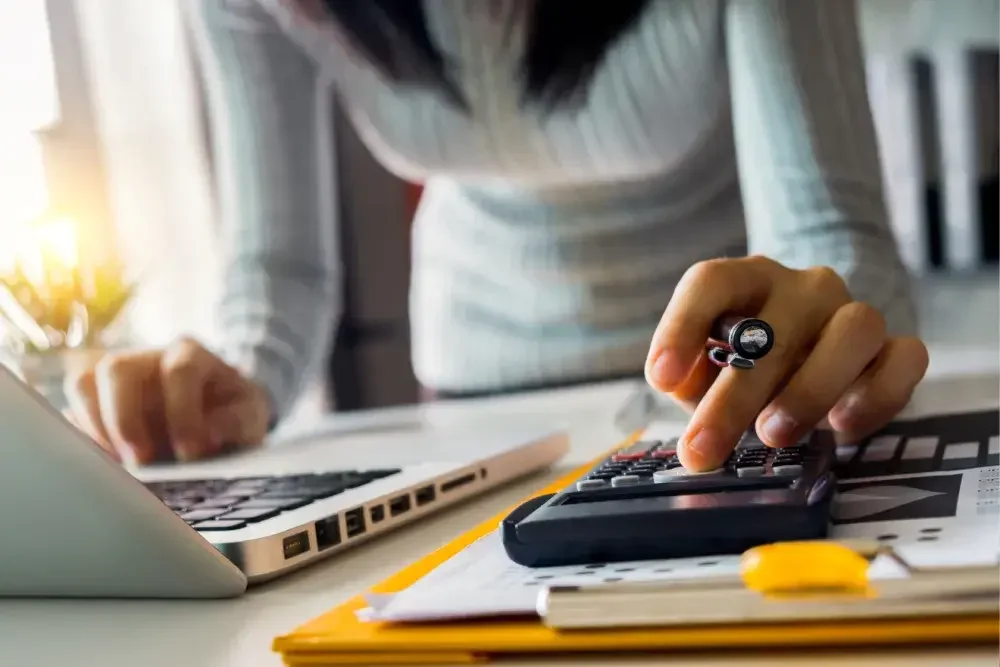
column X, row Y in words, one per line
column 75, row 523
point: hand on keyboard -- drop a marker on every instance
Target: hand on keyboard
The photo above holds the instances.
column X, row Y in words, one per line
column 181, row 402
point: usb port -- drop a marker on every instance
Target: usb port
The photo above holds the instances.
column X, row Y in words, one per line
column 424, row 495
column 354, row 522
column 399, row 505
column 295, row 545
column 457, row 482
column 377, row 513
column 327, row 533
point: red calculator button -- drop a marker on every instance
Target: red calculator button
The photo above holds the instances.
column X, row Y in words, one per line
column 663, row 454
column 628, row 456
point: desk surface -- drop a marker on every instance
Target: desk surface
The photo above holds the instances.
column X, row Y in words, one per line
column 239, row 632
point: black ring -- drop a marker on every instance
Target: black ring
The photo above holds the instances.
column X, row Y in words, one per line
column 737, row 331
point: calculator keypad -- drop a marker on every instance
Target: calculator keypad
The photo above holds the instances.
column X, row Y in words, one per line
column 656, row 462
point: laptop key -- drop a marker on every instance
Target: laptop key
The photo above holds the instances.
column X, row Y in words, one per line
column 201, row 515
column 281, row 492
column 305, row 492
column 279, row 504
column 219, row 524
column 190, row 495
column 250, row 515
column 178, row 504
column 222, row 502
column 247, row 485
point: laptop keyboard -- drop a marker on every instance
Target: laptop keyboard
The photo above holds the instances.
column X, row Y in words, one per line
column 231, row 504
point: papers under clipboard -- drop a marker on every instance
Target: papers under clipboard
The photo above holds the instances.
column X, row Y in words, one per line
column 821, row 581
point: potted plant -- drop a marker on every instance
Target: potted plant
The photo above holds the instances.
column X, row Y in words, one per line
column 58, row 311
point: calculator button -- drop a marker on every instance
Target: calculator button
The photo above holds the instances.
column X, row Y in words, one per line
column 846, row 452
column 791, row 451
column 749, row 463
column 636, row 451
column 682, row 473
column 785, row 462
column 751, row 471
column 661, row 476
column 625, row 480
column 716, row 471
column 664, row 453
column 787, row 470
column 590, row 484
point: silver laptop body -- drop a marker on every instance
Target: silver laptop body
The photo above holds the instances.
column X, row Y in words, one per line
column 75, row 523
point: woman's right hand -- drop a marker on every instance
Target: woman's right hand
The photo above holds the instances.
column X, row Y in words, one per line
column 182, row 403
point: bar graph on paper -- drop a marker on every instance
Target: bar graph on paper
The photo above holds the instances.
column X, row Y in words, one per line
column 922, row 482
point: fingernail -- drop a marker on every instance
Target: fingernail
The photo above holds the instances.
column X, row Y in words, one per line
column 702, row 442
column 668, row 372
column 699, row 450
column 778, row 428
column 852, row 401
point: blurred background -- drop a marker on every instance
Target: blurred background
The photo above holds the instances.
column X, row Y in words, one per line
column 106, row 182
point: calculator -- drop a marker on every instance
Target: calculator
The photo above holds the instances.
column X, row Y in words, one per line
column 642, row 504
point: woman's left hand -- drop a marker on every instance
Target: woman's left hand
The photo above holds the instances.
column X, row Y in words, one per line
column 831, row 359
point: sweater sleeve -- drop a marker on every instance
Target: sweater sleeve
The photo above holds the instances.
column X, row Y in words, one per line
column 273, row 152
column 806, row 145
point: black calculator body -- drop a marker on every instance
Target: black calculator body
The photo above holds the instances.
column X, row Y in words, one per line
column 641, row 504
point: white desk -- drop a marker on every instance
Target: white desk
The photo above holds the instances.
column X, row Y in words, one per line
column 238, row 633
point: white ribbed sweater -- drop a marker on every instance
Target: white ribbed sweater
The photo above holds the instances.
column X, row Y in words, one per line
column 545, row 249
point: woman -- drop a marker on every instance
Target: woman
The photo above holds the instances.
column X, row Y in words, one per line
column 595, row 174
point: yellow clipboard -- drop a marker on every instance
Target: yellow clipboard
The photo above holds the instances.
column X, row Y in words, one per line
column 338, row 637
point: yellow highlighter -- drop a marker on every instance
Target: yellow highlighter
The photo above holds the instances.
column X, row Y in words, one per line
column 781, row 583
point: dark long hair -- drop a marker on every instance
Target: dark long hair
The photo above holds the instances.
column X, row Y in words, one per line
column 567, row 42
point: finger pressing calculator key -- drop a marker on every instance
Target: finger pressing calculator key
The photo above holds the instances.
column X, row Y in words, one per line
column 641, row 503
